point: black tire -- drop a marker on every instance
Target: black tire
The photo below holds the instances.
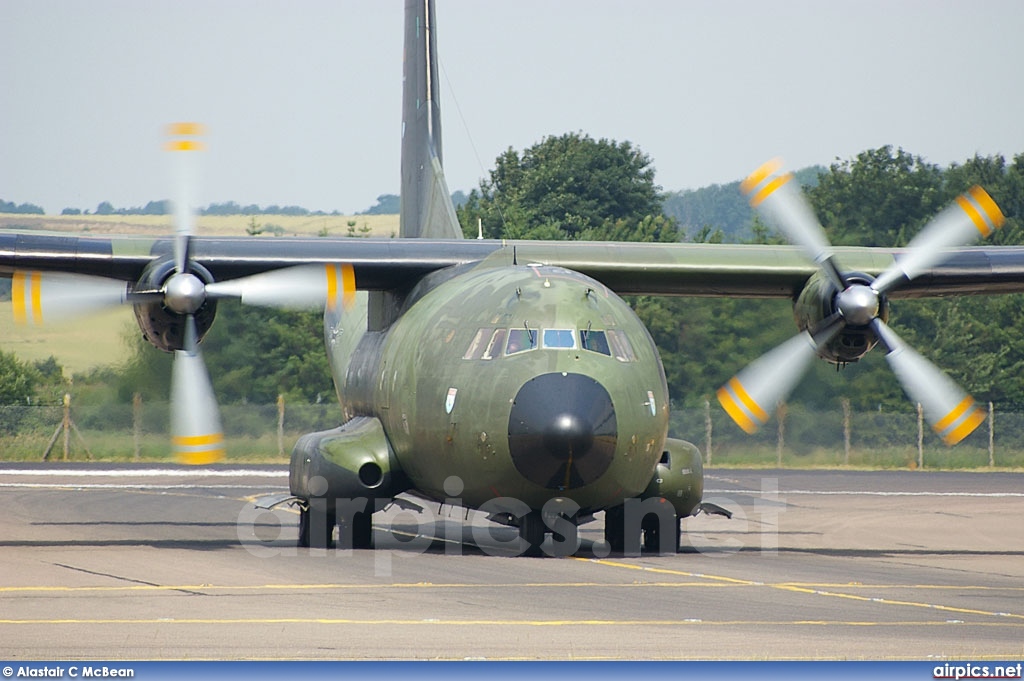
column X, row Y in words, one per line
column 615, row 529
column 531, row 531
column 652, row 535
column 316, row 526
column 361, row 531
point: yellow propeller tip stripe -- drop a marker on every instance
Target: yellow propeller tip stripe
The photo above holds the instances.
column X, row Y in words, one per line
column 184, row 145
column 200, row 458
column 748, row 425
column 970, row 424
column 988, row 205
column 185, row 129
column 757, row 177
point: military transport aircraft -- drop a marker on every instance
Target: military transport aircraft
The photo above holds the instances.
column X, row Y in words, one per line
column 512, row 367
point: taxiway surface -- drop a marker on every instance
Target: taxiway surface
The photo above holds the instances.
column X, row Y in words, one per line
column 144, row 562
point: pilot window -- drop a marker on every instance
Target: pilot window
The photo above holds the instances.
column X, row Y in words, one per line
column 520, row 340
column 620, row 347
column 595, row 341
column 559, row 338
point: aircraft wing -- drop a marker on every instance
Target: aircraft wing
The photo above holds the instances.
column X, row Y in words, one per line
column 626, row 268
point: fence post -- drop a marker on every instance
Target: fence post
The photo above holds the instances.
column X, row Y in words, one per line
column 707, row 430
column 920, row 436
column 780, row 413
column 137, row 423
column 846, row 431
column 991, row 435
column 280, row 425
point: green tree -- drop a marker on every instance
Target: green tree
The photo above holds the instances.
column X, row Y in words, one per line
column 571, row 183
column 881, row 198
column 253, row 354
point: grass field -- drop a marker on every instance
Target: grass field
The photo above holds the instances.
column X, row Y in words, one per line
column 208, row 225
column 79, row 345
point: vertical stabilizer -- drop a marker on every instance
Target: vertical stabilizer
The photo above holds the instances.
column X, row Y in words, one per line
column 427, row 209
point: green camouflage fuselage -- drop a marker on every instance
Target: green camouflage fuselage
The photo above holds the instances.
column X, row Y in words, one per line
column 529, row 382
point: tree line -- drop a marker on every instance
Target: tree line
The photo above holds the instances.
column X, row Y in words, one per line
column 575, row 187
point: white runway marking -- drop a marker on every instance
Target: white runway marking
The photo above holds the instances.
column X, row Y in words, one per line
column 860, row 493
column 145, row 473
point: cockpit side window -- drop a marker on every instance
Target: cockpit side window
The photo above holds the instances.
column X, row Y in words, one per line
column 620, row 346
column 495, row 344
column 476, row 347
column 559, row 338
column 520, row 340
column 595, row 341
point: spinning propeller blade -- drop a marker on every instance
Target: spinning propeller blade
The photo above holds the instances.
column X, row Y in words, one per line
column 197, row 436
column 973, row 213
column 62, row 296
column 770, row 379
column 951, row 412
column 302, row 286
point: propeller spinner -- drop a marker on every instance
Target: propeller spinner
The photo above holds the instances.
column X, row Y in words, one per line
column 196, row 433
column 770, row 379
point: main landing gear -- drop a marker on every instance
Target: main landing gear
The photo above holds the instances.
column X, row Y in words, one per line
column 317, row 523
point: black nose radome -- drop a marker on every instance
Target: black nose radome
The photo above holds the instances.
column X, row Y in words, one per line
column 562, row 431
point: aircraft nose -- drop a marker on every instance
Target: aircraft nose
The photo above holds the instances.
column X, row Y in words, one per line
column 562, row 431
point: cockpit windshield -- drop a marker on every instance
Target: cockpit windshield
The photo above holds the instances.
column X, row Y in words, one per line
column 490, row 343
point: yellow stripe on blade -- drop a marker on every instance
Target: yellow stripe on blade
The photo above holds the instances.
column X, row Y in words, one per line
column 196, row 450
column 348, row 286
column 345, row 277
column 954, row 414
column 974, row 215
column 185, row 129
column 18, row 299
column 185, row 145
column 758, row 176
column 27, row 297
column 974, row 420
column 734, row 411
column 200, row 458
column 988, row 205
column 732, row 395
column 769, row 189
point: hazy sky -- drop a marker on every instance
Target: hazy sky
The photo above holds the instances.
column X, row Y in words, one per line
column 302, row 98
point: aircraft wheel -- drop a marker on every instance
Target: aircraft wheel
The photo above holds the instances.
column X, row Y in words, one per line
column 652, row 534
column 531, row 530
column 615, row 529
column 316, row 527
column 361, row 531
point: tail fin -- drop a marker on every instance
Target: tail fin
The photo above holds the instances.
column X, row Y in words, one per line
column 427, row 209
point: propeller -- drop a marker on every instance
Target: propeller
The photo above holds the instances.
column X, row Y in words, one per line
column 771, row 378
column 196, row 433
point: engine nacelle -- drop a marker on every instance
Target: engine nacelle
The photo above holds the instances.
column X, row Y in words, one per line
column 817, row 302
column 350, row 462
column 161, row 326
column 678, row 478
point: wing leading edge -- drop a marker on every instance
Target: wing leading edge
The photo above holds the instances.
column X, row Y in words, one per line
column 626, row 268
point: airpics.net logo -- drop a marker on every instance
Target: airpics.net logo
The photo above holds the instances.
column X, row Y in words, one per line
column 407, row 530
column 977, row 671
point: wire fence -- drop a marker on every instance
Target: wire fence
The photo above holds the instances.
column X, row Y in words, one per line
column 795, row 437
column 799, row 436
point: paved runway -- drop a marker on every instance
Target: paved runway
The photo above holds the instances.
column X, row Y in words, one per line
column 121, row 562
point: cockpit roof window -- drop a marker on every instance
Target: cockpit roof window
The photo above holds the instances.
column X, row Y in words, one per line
column 559, row 338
